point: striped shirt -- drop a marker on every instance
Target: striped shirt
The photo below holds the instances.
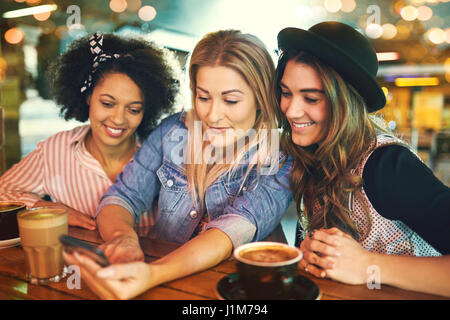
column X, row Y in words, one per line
column 62, row 168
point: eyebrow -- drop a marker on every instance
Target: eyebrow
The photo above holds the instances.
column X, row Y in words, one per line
column 107, row 95
column 304, row 90
column 111, row 97
column 223, row 93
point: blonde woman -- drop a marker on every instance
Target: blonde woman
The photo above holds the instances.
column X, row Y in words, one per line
column 215, row 172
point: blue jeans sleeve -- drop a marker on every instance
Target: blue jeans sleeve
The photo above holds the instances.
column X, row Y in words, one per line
column 137, row 185
column 260, row 209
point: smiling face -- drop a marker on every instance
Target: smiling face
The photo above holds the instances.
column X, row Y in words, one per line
column 224, row 103
column 116, row 108
column 304, row 103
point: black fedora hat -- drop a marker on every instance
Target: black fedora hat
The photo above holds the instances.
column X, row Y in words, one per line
column 344, row 49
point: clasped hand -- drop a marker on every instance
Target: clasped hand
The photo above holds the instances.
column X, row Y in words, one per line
column 334, row 254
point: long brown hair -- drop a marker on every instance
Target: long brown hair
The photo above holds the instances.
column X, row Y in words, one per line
column 323, row 172
column 247, row 55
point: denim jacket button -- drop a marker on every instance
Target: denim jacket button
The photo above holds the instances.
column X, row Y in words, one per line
column 169, row 183
column 193, row 214
column 244, row 189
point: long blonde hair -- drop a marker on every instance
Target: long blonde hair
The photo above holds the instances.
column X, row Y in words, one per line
column 247, row 55
column 324, row 173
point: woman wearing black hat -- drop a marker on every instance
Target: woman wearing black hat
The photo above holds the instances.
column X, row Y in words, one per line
column 363, row 197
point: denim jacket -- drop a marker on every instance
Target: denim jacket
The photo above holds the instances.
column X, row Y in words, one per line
column 245, row 210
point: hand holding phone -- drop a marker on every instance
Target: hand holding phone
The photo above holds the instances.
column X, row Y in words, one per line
column 71, row 244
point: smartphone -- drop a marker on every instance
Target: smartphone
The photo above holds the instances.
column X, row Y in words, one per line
column 71, row 244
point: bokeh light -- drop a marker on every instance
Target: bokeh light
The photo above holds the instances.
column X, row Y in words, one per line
column 409, row 13
column 332, row 5
column 118, row 6
column 133, row 5
column 374, row 31
column 388, row 56
column 424, row 13
column 436, row 35
column 348, row 5
column 147, row 13
column 14, row 35
column 389, row 31
column 42, row 16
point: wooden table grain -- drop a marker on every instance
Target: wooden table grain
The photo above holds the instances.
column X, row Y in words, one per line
column 200, row 286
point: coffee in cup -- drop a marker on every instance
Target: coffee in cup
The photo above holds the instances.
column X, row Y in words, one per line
column 8, row 219
column 267, row 270
column 40, row 229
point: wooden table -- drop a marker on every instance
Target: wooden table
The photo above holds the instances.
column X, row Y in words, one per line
column 200, row 286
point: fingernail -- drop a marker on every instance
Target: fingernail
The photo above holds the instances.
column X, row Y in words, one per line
column 322, row 274
column 105, row 273
column 337, row 253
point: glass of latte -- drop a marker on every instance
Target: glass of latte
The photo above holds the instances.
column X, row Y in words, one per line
column 40, row 229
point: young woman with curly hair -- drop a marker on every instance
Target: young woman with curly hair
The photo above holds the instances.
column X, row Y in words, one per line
column 364, row 198
column 123, row 86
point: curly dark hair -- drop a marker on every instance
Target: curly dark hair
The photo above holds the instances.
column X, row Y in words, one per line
column 149, row 66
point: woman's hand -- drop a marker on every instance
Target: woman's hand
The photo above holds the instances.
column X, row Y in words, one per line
column 123, row 248
column 332, row 253
column 352, row 265
column 75, row 218
column 119, row 281
column 318, row 248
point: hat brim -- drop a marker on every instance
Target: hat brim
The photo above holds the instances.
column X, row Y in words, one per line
column 349, row 69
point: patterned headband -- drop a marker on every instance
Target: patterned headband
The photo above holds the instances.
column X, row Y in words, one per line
column 96, row 47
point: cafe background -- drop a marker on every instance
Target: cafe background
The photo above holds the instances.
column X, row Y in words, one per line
column 411, row 38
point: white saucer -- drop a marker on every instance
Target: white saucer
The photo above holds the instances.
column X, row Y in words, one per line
column 9, row 243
